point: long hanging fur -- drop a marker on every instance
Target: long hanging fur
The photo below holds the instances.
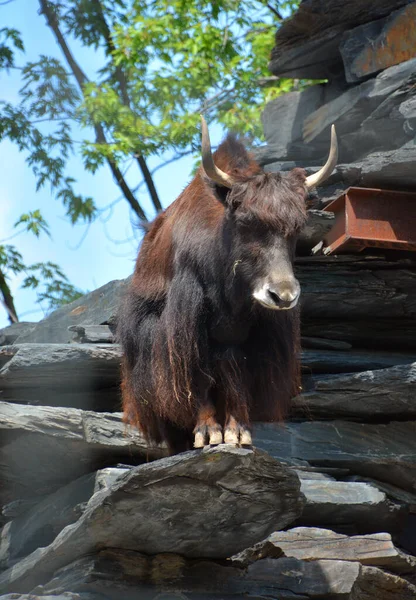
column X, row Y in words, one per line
column 180, row 293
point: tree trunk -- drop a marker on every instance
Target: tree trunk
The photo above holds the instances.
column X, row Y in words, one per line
column 7, row 299
column 48, row 10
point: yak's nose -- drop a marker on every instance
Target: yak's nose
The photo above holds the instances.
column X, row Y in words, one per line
column 285, row 294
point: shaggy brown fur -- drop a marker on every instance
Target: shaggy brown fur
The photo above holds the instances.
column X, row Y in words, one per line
column 194, row 339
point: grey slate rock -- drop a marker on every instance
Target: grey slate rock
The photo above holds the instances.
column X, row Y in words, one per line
column 373, row 583
column 118, row 573
column 349, row 110
column 44, row 448
column 391, row 125
column 312, row 543
column 317, row 343
column 57, row 365
column 317, row 226
column 352, row 506
column 360, row 362
column 282, row 118
column 8, row 335
column 357, row 288
column 386, row 452
column 389, row 169
column 76, row 375
column 92, row 334
column 369, row 396
column 63, row 596
column 380, row 334
column 95, row 308
column 307, row 44
column 40, row 525
column 372, row 47
column 349, row 508
column 135, row 511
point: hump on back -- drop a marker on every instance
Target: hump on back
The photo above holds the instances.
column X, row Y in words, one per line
column 210, row 324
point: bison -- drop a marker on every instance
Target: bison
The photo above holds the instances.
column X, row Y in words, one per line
column 210, row 324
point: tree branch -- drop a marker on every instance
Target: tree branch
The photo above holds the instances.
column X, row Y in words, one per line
column 122, row 81
column 48, row 9
column 7, row 300
column 275, row 11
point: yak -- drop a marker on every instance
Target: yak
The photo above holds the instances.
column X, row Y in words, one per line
column 209, row 327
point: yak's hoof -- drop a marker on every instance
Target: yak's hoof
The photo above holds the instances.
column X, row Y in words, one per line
column 199, row 441
column 207, row 435
column 215, row 437
column 231, row 436
column 237, row 435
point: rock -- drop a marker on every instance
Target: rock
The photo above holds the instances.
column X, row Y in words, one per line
column 117, row 573
column 324, row 344
column 63, row 374
column 380, row 334
column 318, row 224
column 373, row 583
column 355, row 288
column 372, row 47
column 307, row 44
column 99, row 307
column 348, row 110
column 390, row 169
column 40, row 525
column 311, row 543
column 391, row 490
column 8, row 335
column 352, row 506
column 386, row 452
column 44, row 448
column 389, row 126
column 135, row 512
column 283, row 117
column 55, row 365
column 370, row 395
column 92, row 334
column 349, row 508
column 335, row 361
column 63, row 596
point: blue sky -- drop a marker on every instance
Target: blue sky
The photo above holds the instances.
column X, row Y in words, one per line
column 89, row 258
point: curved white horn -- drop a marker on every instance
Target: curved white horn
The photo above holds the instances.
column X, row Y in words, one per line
column 212, row 171
column 317, row 178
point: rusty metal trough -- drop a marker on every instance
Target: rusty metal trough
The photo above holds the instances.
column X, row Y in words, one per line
column 372, row 218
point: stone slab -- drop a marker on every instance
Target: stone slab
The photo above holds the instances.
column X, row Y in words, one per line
column 39, row 526
column 174, row 578
column 373, row 583
column 307, row 43
column 386, row 452
column 370, row 395
column 349, row 508
column 59, row 365
column 44, row 448
column 8, row 335
column 349, row 110
column 170, row 493
column 95, row 308
column 375, row 46
column 312, row 543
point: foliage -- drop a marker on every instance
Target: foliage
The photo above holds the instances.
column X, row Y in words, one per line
column 51, row 285
column 163, row 63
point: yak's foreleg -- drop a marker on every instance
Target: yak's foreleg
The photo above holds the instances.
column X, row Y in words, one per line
column 207, row 429
column 234, row 377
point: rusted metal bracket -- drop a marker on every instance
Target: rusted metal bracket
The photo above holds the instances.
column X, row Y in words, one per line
column 371, row 218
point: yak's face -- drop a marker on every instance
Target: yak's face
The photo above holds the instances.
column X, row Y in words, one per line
column 265, row 216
